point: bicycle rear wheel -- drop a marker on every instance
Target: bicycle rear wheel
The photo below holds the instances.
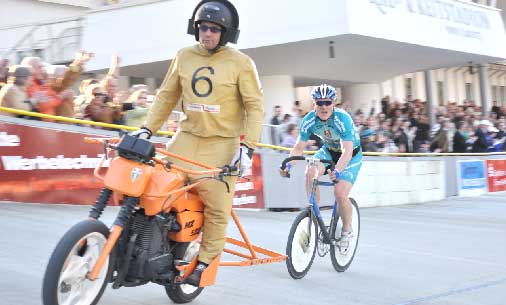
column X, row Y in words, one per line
column 301, row 245
column 341, row 261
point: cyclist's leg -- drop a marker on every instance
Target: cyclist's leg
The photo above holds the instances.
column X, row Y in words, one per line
column 322, row 154
column 342, row 192
column 343, row 188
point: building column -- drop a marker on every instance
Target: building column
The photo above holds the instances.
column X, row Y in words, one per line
column 429, row 93
column 460, row 90
column 475, row 83
column 398, row 92
column 484, row 89
column 278, row 90
column 419, row 86
column 449, row 86
column 363, row 96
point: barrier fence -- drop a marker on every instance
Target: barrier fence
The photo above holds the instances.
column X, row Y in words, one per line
column 49, row 163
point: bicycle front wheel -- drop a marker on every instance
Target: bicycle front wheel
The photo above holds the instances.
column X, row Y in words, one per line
column 341, row 261
column 301, row 245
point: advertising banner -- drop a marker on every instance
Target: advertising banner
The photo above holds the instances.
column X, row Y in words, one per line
column 496, row 175
column 52, row 166
column 471, row 177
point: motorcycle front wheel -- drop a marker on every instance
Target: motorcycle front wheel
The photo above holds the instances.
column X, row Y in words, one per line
column 66, row 279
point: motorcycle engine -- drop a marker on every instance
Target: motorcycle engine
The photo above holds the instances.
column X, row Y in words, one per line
column 145, row 253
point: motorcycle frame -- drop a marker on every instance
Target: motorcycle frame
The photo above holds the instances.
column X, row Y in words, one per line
column 256, row 256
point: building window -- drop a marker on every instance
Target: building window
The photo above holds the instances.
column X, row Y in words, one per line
column 440, row 93
column 159, row 82
column 408, row 86
column 502, row 95
column 469, row 91
column 137, row 81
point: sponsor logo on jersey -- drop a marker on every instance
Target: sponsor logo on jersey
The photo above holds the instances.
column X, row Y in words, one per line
column 308, row 124
column 203, row 108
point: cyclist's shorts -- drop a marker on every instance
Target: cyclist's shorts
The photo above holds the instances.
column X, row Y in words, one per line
column 350, row 173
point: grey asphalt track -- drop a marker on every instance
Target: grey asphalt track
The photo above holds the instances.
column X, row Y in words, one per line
column 450, row 252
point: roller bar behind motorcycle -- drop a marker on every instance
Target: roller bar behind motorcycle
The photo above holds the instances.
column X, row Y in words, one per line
column 155, row 236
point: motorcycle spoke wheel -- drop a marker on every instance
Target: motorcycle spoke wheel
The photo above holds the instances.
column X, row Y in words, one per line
column 66, row 279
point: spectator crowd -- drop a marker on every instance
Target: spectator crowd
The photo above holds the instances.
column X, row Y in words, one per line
column 40, row 87
column 397, row 127
column 404, row 127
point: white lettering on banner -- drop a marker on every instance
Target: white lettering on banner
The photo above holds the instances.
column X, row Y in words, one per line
column 203, row 108
column 495, row 173
column 245, row 200
column 500, row 182
column 473, row 182
column 9, row 140
column 60, row 162
column 440, row 9
column 244, row 186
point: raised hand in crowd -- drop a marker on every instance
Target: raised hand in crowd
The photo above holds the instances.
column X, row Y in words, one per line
column 82, row 57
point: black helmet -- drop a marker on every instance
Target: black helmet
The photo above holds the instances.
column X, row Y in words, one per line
column 220, row 12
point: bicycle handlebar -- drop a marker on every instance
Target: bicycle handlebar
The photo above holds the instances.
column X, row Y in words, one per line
column 292, row 158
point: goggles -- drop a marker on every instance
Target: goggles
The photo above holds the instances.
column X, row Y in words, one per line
column 214, row 29
column 324, row 103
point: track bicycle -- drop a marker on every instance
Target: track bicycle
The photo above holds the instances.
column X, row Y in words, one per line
column 309, row 233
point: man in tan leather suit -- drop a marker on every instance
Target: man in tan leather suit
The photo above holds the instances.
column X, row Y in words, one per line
column 222, row 99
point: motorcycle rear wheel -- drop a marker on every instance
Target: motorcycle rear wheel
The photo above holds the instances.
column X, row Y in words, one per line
column 184, row 293
column 65, row 281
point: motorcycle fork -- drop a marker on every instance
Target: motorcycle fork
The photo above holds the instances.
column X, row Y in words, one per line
column 129, row 203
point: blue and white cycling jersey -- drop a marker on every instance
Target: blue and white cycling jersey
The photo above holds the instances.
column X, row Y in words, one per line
column 339, row 127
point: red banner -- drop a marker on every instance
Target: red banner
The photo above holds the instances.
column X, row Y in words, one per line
column 53, row 166
column 249, row 194
column 496, row 175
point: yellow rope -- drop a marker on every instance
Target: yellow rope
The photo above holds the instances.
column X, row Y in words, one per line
column 170, row 133
column 72, row 120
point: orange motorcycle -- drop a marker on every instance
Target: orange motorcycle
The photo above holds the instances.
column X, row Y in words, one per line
column 154, row 238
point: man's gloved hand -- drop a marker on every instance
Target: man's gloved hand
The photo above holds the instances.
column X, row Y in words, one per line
column 334, row 175
column 243, row 159
column 142, row 133
column 285, row 172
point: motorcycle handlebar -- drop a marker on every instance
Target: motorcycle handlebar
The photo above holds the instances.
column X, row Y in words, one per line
column 210, row 170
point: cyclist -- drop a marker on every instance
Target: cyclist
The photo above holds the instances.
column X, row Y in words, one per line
column 341, row 143
column 221, row 98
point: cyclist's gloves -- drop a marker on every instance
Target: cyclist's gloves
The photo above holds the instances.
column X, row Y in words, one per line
column 285, row 172
column 142, row 133
column 334, row 175
column 243, row 159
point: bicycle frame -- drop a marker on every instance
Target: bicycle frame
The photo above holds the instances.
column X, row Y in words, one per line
column 314, row 209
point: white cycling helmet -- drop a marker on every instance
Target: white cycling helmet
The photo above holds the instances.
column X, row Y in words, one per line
column 323, row 91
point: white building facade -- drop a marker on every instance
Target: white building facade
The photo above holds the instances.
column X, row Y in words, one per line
column 367, row 48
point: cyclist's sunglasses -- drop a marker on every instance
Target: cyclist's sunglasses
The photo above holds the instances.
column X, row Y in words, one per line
column 323, row 103
column 214, row 29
